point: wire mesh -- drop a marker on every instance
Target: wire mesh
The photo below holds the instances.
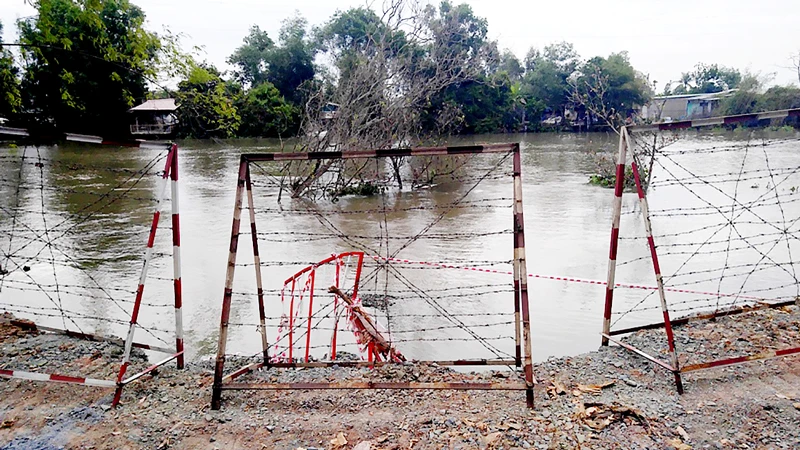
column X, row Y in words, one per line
column 725, row 223
column 73, row 224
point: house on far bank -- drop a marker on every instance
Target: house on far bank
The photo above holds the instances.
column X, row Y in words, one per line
column 154, row 117
column 330, row 111
column 667, row 108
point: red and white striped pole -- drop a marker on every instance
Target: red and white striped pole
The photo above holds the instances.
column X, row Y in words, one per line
column 521, row 262
column 176, row 257
column 162, row 185
column 615, row 218
column 219, row 365
column 659, row 279
column 53, row 377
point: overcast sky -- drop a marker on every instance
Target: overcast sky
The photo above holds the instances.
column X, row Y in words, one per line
column 664, row 38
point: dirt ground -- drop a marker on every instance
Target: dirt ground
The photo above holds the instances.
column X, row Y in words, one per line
column 608, row 399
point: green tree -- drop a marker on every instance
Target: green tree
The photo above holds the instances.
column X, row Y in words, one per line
column 545, row 82
column 292, row 63
column 511, row 66
column 206, row 107
column 457, row 33
column 483, row 97
column 265, row 113
column 780, row 97
column 86, row 63
column 287, row 65
column 609, row 88
column 745, row 100
column 486, row 104
column 708, row 78
column 10, row 100
column 751, row 98
column 250, row 59
column 357, row 32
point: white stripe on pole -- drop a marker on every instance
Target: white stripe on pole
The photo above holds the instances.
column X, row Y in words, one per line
column 176, row 261
column 175, row 204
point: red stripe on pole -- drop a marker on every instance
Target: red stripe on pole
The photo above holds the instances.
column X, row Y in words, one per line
column 612, row 253
column 609, row 298
column 66, row 379
column 635, row 169
column 151, row 239
column 176, row 230
column 788, row 351
column 137, row 303
column 174, row 172
column 653, row 254
column 178, row 293
column 620, row 175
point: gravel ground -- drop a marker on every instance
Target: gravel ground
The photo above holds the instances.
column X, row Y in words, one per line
column 610, row 399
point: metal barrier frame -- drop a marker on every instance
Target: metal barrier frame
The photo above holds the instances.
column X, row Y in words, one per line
column 668, row 324
column 521, row 306
column 171, row 174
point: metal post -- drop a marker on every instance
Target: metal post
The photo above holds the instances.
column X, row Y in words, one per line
column 291, row 323
column 257, row 263
column 358, row 274
column 615, row 217
column 659, row 278
column 176, row 258
column 162, row 185
column 313, row 276
column 519, row 256
column 336, row 310
column 517, row 323
column 216, row 395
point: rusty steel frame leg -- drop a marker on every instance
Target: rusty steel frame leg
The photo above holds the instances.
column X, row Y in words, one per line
column 148, row 256
column 517, row 321
column 615, row 219
column 657, row 269
column 219, row 367
column 257, row 263
column 519, row 257
column 176, row 259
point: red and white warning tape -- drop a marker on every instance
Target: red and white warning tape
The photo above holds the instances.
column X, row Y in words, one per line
column 556, row 278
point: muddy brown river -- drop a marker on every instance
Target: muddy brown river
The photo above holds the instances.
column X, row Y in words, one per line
column 74, row 223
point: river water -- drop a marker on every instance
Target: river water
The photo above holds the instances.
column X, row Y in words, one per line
column 77, row 217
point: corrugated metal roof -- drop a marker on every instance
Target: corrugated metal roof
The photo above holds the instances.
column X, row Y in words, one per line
column 162, row 104
column 697, row 96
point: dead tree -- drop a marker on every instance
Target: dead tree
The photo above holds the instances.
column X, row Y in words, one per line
column 382, row 88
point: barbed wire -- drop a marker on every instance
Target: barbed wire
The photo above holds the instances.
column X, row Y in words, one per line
column 756, row 226
column 381, row 269
column 38, row 242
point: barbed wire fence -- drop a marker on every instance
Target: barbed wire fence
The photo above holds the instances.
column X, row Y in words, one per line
column 719, row 228
column 73, row 224
column 422, row 312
